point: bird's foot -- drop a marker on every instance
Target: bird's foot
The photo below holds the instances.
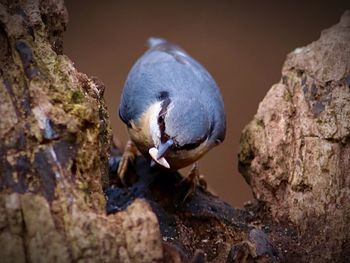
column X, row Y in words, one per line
column 193, row 179
column 130, row 152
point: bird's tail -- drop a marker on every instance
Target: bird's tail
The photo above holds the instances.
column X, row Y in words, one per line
column 155, row 41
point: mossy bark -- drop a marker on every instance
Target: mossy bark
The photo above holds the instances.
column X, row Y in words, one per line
column 54, row 145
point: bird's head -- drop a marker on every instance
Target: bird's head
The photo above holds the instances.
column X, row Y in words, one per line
column 179, row 131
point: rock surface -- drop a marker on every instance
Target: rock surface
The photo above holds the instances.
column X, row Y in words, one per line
column 295, row 153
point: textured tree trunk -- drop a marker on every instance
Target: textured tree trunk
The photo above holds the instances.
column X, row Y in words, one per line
column 55, row 144
column 55, row 139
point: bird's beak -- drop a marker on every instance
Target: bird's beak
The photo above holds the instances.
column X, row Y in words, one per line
column 163, row 148
column 158, row 154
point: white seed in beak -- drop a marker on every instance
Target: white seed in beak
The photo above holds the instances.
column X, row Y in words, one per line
column 154, row 152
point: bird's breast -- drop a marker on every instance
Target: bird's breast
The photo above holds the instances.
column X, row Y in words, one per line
column 183, row 158
column 140, row 133
column 141, row 137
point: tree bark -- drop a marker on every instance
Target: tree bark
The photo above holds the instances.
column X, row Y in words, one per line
column 55, row 139
column 56, row 170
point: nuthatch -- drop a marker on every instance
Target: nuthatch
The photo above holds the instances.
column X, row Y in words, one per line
column 172, row 106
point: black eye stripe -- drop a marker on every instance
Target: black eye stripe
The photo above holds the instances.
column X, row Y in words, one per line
column 161, row 122
column 163, row 95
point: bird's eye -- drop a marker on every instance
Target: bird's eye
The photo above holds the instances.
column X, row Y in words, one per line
column 160, row 119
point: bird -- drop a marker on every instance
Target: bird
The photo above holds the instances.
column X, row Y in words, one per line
column 172, row 107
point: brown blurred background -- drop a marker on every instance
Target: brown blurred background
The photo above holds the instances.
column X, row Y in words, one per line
column 242, row 44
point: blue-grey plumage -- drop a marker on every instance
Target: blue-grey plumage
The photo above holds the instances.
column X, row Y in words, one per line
column 170, row 99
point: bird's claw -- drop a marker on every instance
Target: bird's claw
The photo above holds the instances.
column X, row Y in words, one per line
column 193, row 179
column 128, row 156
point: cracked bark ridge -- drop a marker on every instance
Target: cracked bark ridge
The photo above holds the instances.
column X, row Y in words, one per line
column 295, row 153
